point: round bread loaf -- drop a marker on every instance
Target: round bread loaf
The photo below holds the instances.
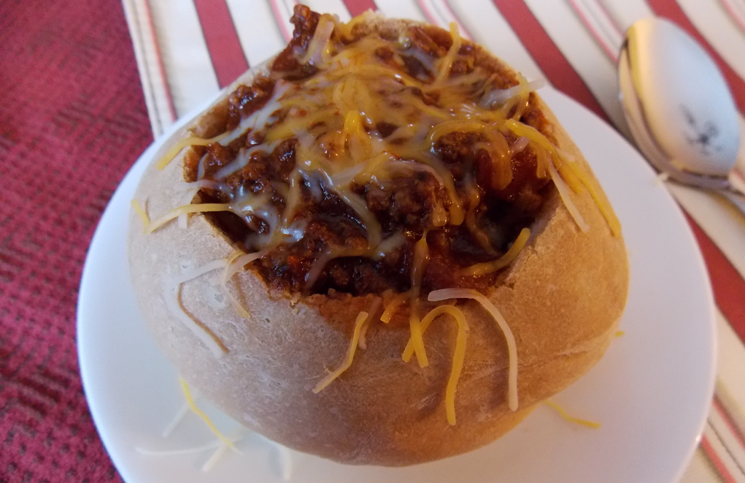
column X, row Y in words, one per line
column 562, row 297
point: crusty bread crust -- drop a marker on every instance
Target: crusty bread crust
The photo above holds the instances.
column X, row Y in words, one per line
column 562, row 298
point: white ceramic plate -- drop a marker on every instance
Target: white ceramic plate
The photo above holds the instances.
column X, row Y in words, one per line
column 651, row 391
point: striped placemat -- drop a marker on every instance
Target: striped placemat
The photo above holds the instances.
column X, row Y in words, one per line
column 188, row 49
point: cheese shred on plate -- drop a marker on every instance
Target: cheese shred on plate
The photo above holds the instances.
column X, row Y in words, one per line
column 571, row 419
column 190, row 401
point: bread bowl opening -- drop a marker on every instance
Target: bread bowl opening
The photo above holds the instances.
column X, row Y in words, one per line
column 364, row 141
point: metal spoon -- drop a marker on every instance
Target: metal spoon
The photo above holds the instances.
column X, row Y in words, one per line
column 679, row 108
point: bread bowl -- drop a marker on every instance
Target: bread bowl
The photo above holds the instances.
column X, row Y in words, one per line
column 258, row 310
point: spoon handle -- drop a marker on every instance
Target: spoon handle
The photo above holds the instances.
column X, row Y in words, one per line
column 736, row 197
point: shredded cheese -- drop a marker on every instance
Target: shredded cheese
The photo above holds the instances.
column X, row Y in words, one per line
column 235, row 263
column 197, row 327
column 459, row 353
column 421, row 257
column 190, row 141
column 571, row 419
column 567, row 199
column 464, row 293
column 393, row 306
column 141, row 213
column 205, row 418
column 198, row 208
column 605, row 207
column 501, row 262
column 347, row 363
column 447, row 62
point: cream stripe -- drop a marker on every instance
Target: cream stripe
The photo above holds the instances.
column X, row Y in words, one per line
column 153, row 84
column 730, row 465
column 719, row 219
column 257, row 29
column 491, row 30
column 730, row 385
column 700, row 470
column 728, row 438
column 401, row 9
column 185, row 56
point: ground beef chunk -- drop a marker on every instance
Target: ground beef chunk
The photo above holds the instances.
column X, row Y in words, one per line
column 247, row 99
column 424, row 41
column 305, row 22
column 406, row 202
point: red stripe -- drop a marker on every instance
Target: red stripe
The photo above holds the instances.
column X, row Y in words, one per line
column 357, row 7
column 733, row 428
column 223, row 44
column 716, row 461
column 728, row 285
column 161, row 68
column 546, row 54
column 672, row 11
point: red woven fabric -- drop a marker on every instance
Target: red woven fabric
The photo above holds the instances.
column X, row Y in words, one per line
column 72, row 121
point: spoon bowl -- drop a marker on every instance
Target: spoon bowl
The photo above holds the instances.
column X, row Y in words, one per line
column 678, row 107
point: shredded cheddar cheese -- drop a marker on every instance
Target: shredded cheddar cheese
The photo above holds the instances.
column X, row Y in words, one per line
column 236, row 262
column 501, row 262
column 190, row 141
column 347, row 363
column 140, row 212
column 567, row 199
column 571, row 419
column 199, row 208
column 205, row 418
column 393, row 306
column 463, row 293
column 459, row 353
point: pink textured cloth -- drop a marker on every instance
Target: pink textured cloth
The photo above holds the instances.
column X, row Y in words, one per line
column 72, row 121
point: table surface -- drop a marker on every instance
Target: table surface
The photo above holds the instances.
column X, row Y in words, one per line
column 89, row 83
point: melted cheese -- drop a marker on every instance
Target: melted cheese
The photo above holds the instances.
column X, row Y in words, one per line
column 447, row 62
column 501, row 262
column 189, row 141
